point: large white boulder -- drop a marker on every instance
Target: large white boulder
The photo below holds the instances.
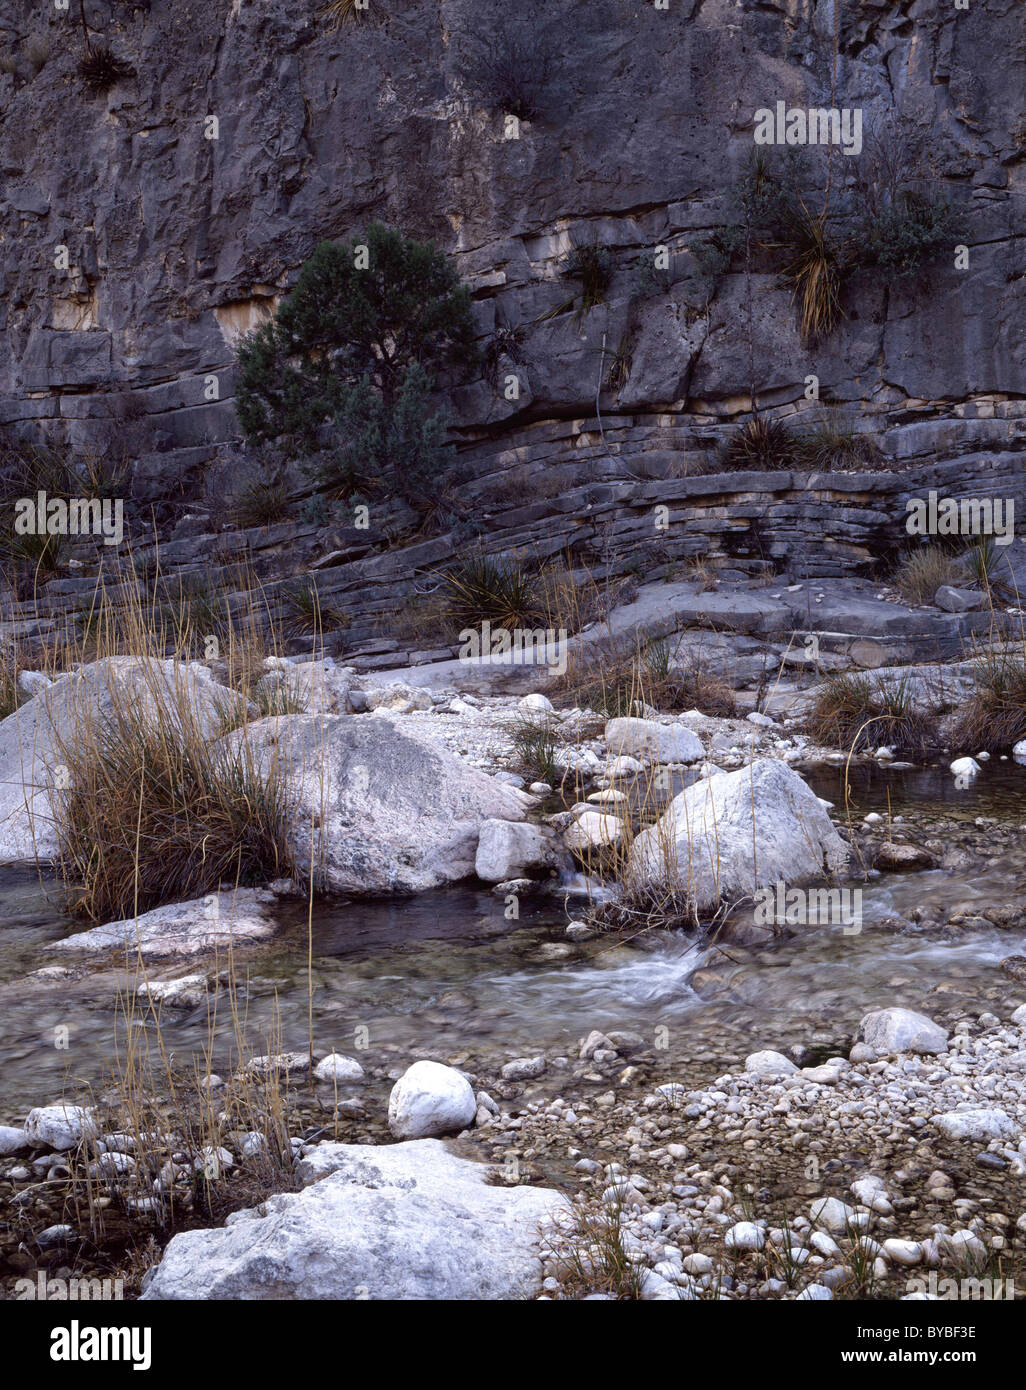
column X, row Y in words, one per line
column 184, row 929
column 734, row 832
column 387, row 812
column 901, row 1030
column 430, row 1099
column 660, row 743
column 508, row 849
column 31, row 737
column 402, row 1221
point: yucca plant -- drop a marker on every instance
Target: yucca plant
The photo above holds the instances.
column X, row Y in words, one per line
column 983, row 560
column 101, row 68
column 497, row 590
column 761, row 442
column 592, row 266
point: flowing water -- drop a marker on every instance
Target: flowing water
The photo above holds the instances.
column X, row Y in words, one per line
column 446, row 973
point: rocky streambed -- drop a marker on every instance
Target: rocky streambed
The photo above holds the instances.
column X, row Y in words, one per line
column 667, row 1113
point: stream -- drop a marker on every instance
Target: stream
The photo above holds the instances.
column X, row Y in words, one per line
column 446, row 974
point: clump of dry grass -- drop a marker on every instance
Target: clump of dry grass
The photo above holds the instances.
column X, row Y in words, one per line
column 154, row 809
column 994, row 716
column 922, row 572
column 855, row 711
column 620, row 678
column 591, row 1257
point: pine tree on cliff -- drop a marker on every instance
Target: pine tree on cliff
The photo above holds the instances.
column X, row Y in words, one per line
column 365, row 328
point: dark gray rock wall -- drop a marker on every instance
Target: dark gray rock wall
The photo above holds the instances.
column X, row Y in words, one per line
column 177, row 242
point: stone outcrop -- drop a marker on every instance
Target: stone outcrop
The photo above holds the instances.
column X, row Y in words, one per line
column 375, row 809
column 405, row 1221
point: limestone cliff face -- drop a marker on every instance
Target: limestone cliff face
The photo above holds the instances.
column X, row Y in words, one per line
column 176, row 242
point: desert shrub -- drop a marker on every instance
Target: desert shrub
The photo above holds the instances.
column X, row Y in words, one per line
column 156, row 812
column 510, row 67
column 921, row 573
column 906, row 234
column 855, row 711
column 994, row 716
column 345, row 330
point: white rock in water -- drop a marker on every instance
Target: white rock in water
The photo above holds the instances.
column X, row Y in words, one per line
column 769, row 1064
column 394, row 1222
column 184, row 929
column 901, row 1030
column 430, row 1099
column 506, row 849
column 60, row 1127
column 625, row 766
column 724, row 837
column 593, row 830
column 980, row 1124
column 377, row 810
column 336, row 1067
column 965, row 767
column 1019, row 751
column 983, row 757
column 746, row 1235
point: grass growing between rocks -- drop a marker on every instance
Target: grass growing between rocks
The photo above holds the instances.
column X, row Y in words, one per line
column 154, row 811
column 855, row 711
column 922, row 572
column 620, row 678
column 994, row 716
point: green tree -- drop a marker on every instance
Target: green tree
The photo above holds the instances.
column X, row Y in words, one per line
column 362, row 314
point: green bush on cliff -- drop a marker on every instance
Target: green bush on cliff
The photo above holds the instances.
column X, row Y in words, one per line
column 355, row 346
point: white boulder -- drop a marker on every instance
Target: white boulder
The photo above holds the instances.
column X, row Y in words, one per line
column 661, row 743
column 901, row 1030
column 398, row 1222
column 732, row 833
column 430, row 1099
